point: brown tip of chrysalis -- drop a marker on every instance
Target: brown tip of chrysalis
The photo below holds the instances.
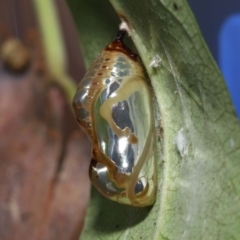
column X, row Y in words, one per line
column 118, row 45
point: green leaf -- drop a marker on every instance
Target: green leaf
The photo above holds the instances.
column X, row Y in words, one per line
column 199, row 161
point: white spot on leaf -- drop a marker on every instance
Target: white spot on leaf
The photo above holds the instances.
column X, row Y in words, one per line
column 232, row 143
column 182, row 142
column 156, row 61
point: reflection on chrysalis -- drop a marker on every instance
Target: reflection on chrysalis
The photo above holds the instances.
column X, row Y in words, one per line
column 113, row 105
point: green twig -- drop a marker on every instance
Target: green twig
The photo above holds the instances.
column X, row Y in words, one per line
column 54, row 46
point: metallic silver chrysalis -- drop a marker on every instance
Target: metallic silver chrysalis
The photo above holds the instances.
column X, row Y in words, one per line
column 113, row 105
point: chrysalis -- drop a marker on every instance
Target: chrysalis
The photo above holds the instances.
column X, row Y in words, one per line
column 113, row 105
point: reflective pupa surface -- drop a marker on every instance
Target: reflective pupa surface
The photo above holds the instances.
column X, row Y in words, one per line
column 114, row 106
